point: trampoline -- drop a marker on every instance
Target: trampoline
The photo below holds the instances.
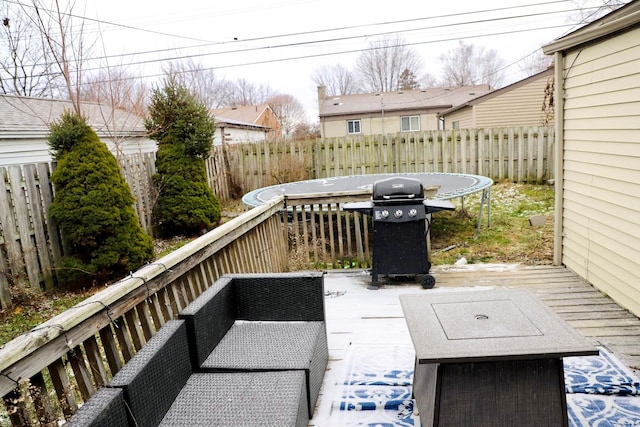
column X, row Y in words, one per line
column 450, row 186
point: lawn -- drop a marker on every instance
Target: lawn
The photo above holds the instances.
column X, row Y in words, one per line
column 509, row 239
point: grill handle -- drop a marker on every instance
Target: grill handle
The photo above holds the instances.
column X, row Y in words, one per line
column 398, row 196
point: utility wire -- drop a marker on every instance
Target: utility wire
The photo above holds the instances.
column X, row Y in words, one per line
column 269, row 61
column 264, row 38
column 329, row 40
column 324, row 41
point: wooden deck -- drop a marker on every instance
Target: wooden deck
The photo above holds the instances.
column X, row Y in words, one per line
column 357, row 316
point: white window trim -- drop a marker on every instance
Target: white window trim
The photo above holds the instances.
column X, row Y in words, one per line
column 410, row 121
column 359, row 121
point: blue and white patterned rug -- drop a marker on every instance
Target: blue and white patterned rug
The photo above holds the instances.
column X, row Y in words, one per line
column 602, row 374
column 376, row 390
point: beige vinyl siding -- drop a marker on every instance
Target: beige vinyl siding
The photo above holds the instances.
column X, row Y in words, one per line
column 464, row 117
column 521, row 106
column 601, row 198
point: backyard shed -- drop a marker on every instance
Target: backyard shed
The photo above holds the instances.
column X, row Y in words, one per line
column 597, row 93
column 233, row 131
column 248, row 123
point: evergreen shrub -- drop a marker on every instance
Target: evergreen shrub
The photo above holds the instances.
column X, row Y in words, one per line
column 184, row 131
column 93, row 207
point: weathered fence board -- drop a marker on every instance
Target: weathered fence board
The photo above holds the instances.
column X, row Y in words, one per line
column 30, row 242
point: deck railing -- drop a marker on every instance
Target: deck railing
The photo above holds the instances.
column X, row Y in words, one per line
column 321, row 235
column 47, row 372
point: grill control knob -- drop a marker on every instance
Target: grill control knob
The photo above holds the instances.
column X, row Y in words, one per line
column 384, row 214
column 413, row 212
column 398, row 213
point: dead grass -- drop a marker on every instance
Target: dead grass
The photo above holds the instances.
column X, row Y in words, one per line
column 509, row 239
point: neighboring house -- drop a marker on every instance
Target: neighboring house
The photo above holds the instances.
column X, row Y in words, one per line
column 259, row 115
column 598, row 153
column 235, row 132
column 519, row 104
column 24, row 128
column 389, row 112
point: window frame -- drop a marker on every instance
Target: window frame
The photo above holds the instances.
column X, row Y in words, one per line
column 351, row 124
column 410, row 120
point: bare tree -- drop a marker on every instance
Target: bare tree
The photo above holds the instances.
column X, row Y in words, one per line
column 242, row 92
column 65, row 42
column 305, row 130
column 535, row 63
column 201, row 81
column 590, row 10
column 338, row 80
column 288, row 110
column 468, row 64
column 24, row 64
column 115, row 87
column 379, row 68
column 428, row 80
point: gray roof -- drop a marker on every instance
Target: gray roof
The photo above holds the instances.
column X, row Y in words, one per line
column 241, row 113
column 403, row 100
column 220, row 120
column 30, row 117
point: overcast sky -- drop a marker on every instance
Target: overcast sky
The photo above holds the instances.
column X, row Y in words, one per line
column 281, row 42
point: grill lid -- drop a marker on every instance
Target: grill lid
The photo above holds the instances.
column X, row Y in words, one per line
column 398, row 189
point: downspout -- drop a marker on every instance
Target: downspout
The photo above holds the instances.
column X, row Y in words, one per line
column 559, row 157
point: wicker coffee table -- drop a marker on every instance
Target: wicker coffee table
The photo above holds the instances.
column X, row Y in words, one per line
column 489, row 358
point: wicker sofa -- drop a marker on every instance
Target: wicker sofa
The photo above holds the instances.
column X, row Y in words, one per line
column 250, row 351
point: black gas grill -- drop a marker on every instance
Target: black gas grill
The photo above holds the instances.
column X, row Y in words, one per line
column 399, row 213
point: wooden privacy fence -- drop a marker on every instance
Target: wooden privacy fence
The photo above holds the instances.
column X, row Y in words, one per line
column 46, row 373
column 514, row 154
column 30, row 242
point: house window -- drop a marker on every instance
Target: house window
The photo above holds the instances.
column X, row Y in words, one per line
column 455, row 125
column 353, row 126
column 410, row 123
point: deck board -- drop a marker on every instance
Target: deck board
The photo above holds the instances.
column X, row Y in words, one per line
column 357, row 316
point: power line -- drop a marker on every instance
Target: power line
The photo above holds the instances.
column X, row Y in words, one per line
column 327, row 40
column 244, row 64
column 297, row 34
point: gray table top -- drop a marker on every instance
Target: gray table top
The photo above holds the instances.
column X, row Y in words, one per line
column 475, row 326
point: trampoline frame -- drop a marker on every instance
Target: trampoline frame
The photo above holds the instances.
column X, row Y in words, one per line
column 480, row 184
